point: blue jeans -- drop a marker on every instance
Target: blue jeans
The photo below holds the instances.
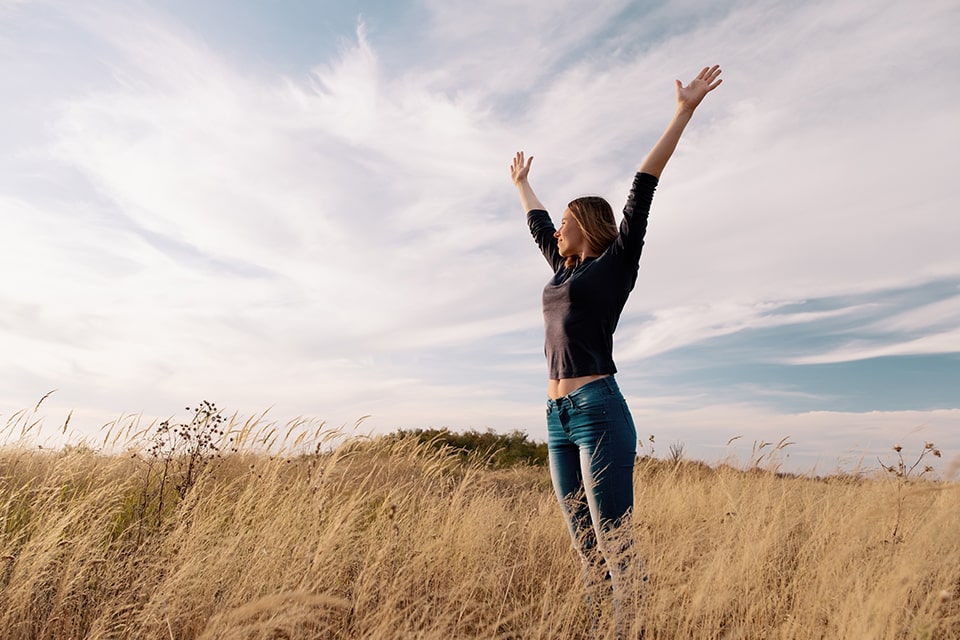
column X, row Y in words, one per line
column 592, row 444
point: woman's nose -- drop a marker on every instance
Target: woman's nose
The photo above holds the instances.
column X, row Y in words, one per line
column 556, row 234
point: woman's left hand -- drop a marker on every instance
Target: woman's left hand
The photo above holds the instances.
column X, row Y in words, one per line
column 688, row 97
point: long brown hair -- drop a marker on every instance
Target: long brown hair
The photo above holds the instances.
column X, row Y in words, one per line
column 597, row 223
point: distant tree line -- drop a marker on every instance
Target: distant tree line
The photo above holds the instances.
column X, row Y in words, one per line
column 498, row 450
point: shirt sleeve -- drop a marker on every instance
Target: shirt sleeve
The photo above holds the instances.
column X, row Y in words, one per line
column 633, row 227
column 542, row 230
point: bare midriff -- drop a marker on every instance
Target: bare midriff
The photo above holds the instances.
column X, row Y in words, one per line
column 565, row 386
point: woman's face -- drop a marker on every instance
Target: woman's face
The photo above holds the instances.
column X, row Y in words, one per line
column 570, row 238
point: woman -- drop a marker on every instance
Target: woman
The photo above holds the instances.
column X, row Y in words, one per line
column 591, row 437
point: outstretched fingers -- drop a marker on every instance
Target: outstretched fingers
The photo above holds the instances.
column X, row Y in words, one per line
column 706, row 81
column 520, row 166
column 711, row 76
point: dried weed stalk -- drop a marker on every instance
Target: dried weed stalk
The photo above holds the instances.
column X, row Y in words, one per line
column 904, row 475
column 176, row 456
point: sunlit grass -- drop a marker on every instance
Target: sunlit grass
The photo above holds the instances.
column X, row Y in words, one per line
column 297, row 532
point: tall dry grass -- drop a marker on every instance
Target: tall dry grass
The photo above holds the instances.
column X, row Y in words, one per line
column 392, row 539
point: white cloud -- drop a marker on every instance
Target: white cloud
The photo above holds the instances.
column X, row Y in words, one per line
column 259, row 235
column 675, row 327
column 824, row 441
column 302, row 240
column 311, row 180
column 796, row 189
column 924, row 329
column 942, row 314
column 504, row 48
column 941, row 342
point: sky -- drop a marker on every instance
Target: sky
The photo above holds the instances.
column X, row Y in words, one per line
column 305, row 209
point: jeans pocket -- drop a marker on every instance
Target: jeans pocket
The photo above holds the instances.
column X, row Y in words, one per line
column 591, row 405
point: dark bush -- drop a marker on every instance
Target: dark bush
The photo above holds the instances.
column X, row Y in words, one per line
column 498, row 450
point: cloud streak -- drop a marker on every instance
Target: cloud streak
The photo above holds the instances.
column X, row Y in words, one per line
column 345, row 236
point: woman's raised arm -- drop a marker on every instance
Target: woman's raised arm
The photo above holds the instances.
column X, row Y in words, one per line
column 519, row 171
column 688, row 98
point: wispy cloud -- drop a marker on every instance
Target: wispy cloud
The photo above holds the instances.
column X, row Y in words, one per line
column 677, row 327
column 945, row 342
column 309, row 179
column 824, row 441
column 344, row 240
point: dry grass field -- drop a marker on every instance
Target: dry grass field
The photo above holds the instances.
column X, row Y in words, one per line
column 201, row 536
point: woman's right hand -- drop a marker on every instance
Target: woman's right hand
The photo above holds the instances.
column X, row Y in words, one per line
column 518, row 172
column 519, row 169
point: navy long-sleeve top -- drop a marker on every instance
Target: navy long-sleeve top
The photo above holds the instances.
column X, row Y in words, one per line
column 582, row 304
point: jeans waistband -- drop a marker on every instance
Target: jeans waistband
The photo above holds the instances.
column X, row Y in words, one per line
column 607, row 382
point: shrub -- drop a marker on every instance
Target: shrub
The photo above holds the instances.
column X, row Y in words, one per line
column 498, row 450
